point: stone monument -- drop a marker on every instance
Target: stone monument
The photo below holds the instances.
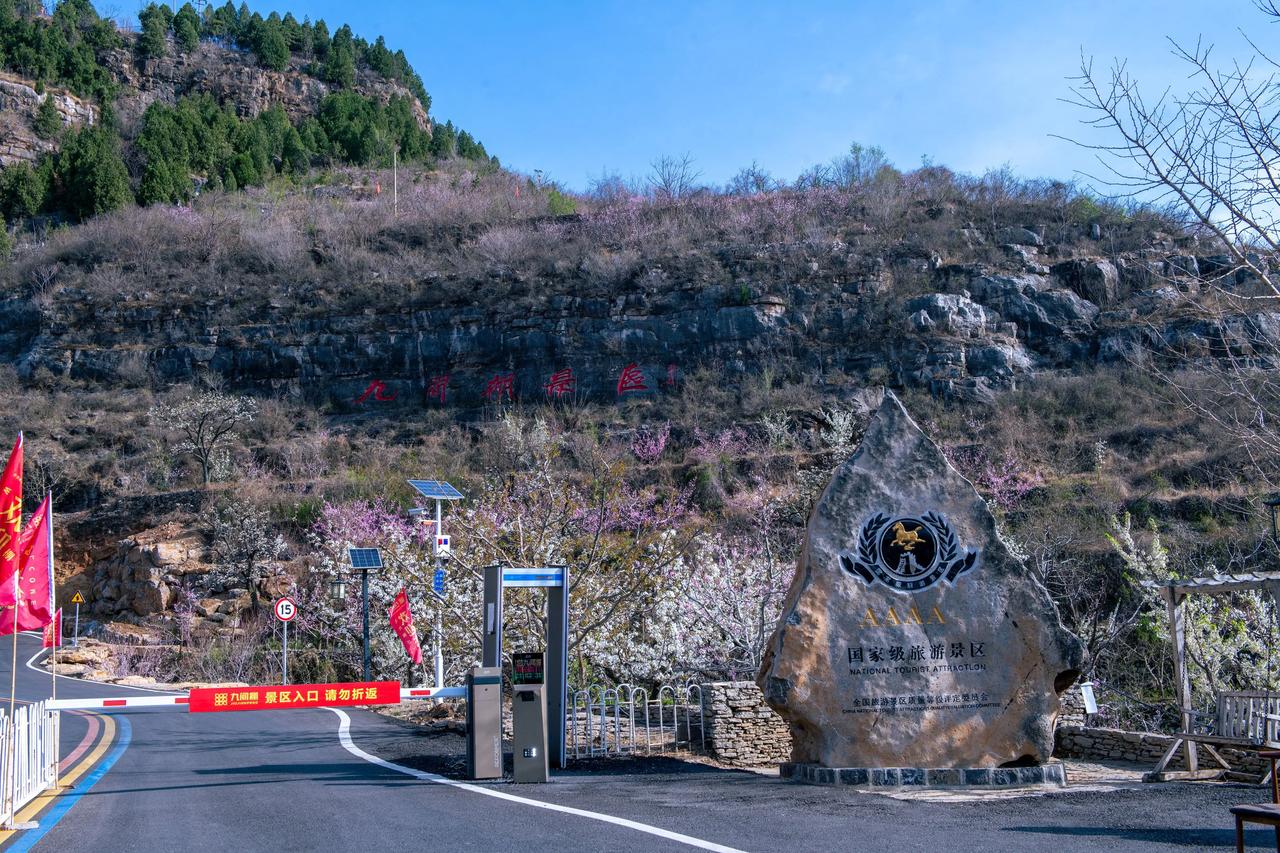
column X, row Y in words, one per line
column 913, row 647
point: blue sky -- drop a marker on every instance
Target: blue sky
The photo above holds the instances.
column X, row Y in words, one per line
column 578, row 88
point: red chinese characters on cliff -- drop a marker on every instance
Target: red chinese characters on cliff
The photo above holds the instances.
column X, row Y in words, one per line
column 378, row 392
column 495, row 388
column 562, row 383
column 631, row 380
column 438, row 388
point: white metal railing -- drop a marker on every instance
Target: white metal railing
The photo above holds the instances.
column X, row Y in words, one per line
column 624, row 720
column 29, row 757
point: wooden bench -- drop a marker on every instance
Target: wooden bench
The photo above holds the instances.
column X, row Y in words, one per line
column 1264, row 813
column 1244, row 720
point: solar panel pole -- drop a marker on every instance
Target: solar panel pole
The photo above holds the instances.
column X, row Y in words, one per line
column 438, row 658
column 364, row 594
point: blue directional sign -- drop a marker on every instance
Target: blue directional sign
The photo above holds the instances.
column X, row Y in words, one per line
column 549, row 576
column 437, row 583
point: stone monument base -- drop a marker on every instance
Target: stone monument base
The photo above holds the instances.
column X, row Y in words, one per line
column 1051, row 775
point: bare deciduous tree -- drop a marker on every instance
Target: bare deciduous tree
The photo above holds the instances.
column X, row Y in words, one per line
column 673, row 178
column 752, row 180
column 1091, row 610
column 207, row 421
column 48, row 471
column 1213, row 151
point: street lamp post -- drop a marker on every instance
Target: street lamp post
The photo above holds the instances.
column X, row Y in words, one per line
column 1273, row 506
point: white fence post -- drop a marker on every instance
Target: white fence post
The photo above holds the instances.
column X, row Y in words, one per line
column 29, row 757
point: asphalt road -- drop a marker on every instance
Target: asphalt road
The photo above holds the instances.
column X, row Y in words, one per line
column 283, row 781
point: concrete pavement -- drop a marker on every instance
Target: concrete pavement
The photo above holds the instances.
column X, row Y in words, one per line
column 284, row 781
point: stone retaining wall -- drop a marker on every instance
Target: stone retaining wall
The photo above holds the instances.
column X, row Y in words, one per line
column 1141, row 747
column 740, row 728
column 1071, row 711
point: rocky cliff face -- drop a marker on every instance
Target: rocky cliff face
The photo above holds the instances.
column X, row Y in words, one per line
column 806, row 314
column 235, row 78
column 19, row 102
column 228, row 75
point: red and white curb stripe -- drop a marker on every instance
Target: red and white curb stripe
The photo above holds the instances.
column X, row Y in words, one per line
column 180, row 702
column 122, row 702
column 432, row 693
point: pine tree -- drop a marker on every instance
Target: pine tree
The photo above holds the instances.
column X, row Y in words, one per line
column 294, row 34
column 48, row 120
column 6, row 241
column 91, row 174
column 155, row 26
column 271, row 47
column 22, row 190
column 320, row 39
column 186, row 28
column 379, row 59
column 443, row 139
column 294, row 154
column 340, row 66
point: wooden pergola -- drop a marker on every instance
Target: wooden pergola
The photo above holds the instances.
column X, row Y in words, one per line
column 1242, row 722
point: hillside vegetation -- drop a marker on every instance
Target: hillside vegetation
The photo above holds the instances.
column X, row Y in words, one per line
column 175, row 148
column 650, row 382
column 785, row 306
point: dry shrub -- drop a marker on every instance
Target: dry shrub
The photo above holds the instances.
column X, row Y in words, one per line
column 610, row 266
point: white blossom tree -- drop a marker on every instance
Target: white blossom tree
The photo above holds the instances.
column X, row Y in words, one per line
column 245, row 545
column 207, row 422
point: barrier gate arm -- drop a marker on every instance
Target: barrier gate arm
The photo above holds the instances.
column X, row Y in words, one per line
column 176, row 703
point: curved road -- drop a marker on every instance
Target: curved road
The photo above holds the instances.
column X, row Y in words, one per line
column 282, row 781
column 296, row 780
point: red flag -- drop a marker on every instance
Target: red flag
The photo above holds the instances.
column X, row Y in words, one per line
column 10, row 515
column 35, row 580
column 402, row 624
column 53, row 632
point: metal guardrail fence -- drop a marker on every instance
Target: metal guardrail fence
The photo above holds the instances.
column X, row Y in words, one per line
column 29, row 757
column 625, row 720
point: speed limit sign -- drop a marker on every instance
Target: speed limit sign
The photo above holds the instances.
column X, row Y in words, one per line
column 286, row 609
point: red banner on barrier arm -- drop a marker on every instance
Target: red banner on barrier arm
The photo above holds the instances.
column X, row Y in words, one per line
column 282, row 697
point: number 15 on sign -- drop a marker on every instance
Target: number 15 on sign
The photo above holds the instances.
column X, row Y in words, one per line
column 285, row 611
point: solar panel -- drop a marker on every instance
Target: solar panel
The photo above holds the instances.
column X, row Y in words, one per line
column 365, row 558
column 436, row 490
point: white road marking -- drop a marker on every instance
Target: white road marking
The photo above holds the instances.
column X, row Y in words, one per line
column 344, row 736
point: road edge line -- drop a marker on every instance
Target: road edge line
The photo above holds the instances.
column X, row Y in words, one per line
column 63, row 804
column 45, row 799
column 344, row 737
column 94, row 724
